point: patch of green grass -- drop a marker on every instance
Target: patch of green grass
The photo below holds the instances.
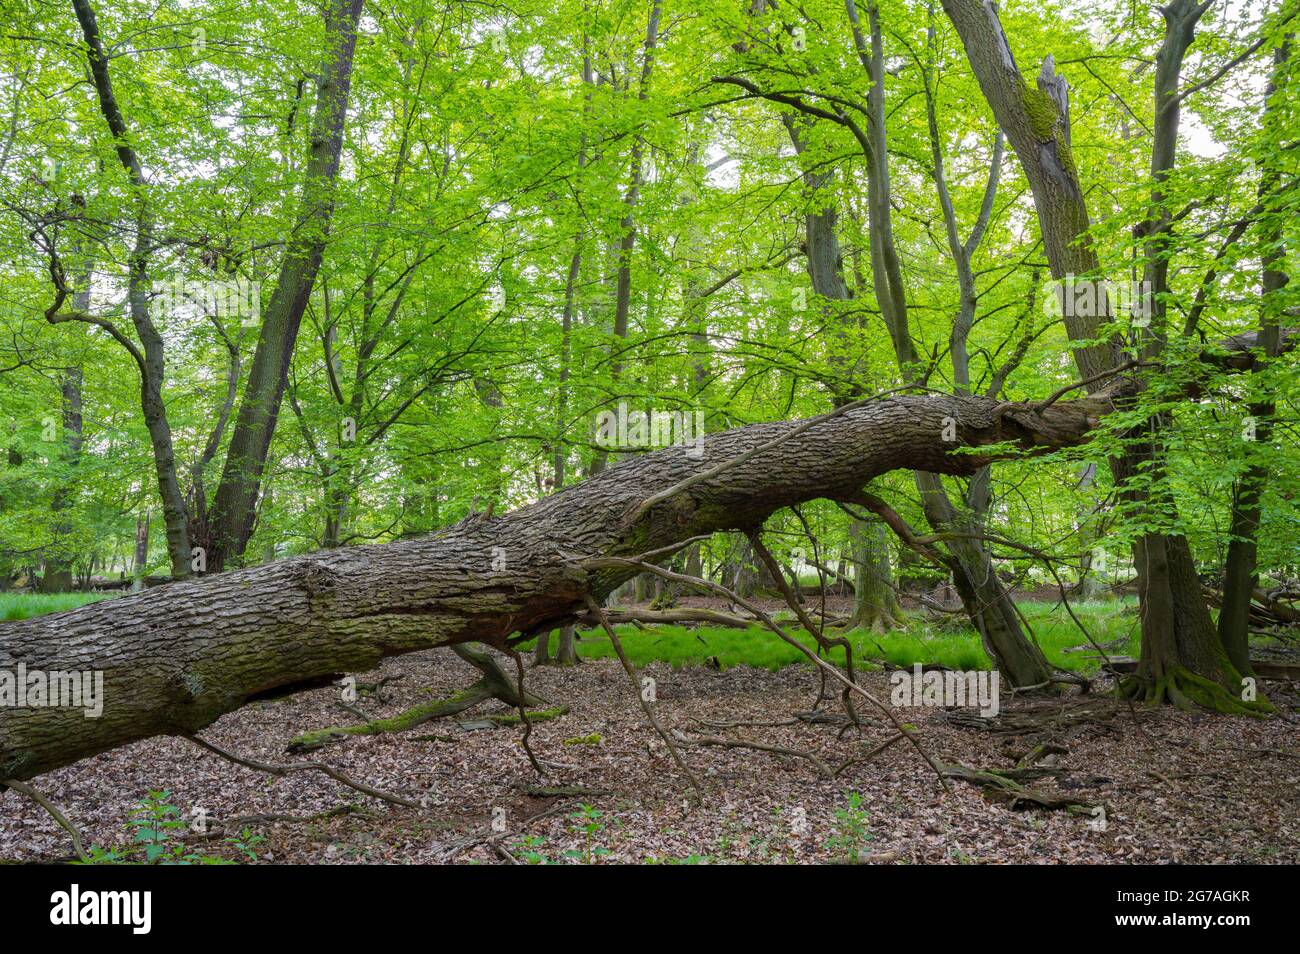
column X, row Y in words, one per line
column 956, row 646
column 959, row 646
column 956, row 649
column 1105, row 620
column 26, row 605
column 682, row 647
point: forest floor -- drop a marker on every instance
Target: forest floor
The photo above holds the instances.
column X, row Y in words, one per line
column 1176, row 787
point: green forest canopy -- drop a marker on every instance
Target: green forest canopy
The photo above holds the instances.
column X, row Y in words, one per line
column 546, row 212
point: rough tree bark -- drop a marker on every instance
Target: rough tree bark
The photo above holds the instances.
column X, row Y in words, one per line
column 1182, row 657
column 140, row 559
column 179, row 656
column 875, row 604
column 225, row 530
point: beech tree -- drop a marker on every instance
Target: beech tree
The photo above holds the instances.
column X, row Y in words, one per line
column 1182, row 655
column 855, row 239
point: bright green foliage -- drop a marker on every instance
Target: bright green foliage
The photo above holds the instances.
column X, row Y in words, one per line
column 1112, row 624
column 852, row 830
column 157, row 831
column 434, row 372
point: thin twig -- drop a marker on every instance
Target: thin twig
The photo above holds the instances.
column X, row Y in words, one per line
column 726, row 743
column 695, row 581
column 765, row 555
column 53, row 811
column 286, row 769
column 595, row 609
column 523, row 712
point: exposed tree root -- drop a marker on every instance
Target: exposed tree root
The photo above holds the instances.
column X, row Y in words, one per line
column 1003, row 786
column 494, row 684
column 777, row 750
column 53, row 810
column 1188, row 690
column 862, row 760
column 878, row 620
column 521, row 699
column 290, row 768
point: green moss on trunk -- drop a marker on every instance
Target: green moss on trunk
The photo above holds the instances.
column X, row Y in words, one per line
column 1187, row 690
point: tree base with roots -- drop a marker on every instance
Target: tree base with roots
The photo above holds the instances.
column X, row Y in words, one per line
column 566, row 650
column 1187, row 690
column 878, row 620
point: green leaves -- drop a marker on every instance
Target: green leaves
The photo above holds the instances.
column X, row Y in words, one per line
column 484, row 195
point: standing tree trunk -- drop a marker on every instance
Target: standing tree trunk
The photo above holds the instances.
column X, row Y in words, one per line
column 984, row 598
column 229, row 523
column 875, row 604
column 140, row 563
column 627, row 240
column 148, row 356
column 565, row 650
column 1182, row 657
column 57, row 577
column 1089, row 585
column 1239, row 575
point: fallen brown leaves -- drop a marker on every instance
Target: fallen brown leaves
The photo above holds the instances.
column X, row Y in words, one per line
column 1178, row 787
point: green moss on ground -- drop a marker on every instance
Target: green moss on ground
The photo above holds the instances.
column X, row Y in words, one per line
column 957, row 646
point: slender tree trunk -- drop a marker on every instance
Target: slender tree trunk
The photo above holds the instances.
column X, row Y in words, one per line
column 57, row 577
column 875, row 604
column 140, row 562
column 1240, row 577
column 1089, row 585
column 149, row 356
column 234, row 506
column 982, row 594
column 542, row 649
column 627, row 226
column 1182, row 657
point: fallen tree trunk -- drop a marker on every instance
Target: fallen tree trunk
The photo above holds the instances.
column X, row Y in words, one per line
column 177, row 657
column 685, row 615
